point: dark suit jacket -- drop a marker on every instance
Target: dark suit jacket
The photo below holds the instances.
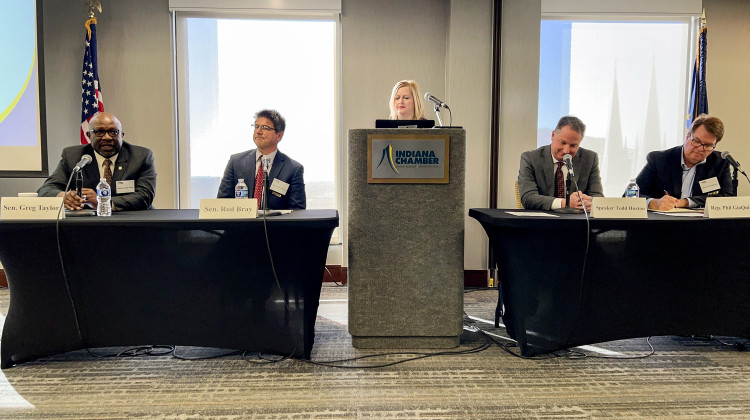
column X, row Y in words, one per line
column 242, row 166
column 133, row 163
column 664, row 172
column 536, row 177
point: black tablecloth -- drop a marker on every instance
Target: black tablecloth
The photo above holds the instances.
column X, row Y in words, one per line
column 663, row 275
column 163, row 277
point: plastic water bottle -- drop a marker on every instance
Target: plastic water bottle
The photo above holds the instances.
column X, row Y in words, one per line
column 240, row 191
column 632, row 191
column 104, row 195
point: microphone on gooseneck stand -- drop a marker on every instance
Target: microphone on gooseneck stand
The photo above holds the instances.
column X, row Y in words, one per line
column 264, row 201
column 264, row 196
column 568, row 159
column 79, row 183
column 571, row 181
column 85, row 160
column 725, row 155
column 737, row 168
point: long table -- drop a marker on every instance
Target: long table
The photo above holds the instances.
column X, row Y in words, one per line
column 163, row 277
column 663, row 275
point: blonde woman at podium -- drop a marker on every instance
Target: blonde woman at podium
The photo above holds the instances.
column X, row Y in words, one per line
column 406, row 101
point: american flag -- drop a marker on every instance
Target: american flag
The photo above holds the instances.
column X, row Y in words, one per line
column 698, row 94
column 91, row 95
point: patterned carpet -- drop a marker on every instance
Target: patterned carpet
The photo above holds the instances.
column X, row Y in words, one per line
column 683, row 379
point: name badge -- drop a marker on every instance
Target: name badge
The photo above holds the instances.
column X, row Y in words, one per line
column 727, row 207
column 710, row 184
column 34, row 208
column 228, row 208
column 123, row 187
column 279, row 186
column 619, row 208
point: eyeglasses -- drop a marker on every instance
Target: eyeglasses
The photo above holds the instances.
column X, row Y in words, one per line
column 101, row 133
column 263, row 127
column 697, row 143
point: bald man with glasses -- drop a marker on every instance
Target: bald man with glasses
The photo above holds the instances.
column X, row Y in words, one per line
column 129, row 169
column 286, row 183
column 684, row 176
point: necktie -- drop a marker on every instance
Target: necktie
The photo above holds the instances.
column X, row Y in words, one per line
column 258, row 192
column 107, row 170
column 559, row 182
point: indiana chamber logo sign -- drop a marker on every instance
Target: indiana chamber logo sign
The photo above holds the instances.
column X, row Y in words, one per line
column 408, row 159
column 388, row 155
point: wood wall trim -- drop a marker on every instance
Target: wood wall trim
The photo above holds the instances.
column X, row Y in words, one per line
column 476, row 278
column 472, row 278
column 337, row 273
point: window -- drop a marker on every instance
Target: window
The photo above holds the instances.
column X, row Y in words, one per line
column 228, row 68
column 627, row 80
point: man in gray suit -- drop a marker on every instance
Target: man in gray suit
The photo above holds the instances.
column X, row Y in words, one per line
column 542, row 170
column 286, row 183
column 130, row 168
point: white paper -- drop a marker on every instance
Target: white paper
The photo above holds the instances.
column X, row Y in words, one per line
column 532, row 214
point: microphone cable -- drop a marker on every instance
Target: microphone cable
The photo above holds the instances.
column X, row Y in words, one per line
column 264, row 198
column 62, row 262
column 585, row 255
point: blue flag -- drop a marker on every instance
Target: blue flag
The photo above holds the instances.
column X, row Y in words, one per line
column 91, row 95
column 698, row 95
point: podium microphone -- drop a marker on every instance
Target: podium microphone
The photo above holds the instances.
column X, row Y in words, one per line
column 428, row 97
column 85, row 160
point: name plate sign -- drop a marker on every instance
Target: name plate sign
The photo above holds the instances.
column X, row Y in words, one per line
column 228, row 208
column 727, row 207
column 619, row 208
column 30, row 208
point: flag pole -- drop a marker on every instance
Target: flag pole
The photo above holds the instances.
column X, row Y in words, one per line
column 91, row 5
column 698, row 96
column 91, row 94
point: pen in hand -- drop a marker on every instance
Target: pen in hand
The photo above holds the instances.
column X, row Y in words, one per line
column 666, row 192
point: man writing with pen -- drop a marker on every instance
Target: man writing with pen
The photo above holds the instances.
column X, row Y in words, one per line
column 685, row 175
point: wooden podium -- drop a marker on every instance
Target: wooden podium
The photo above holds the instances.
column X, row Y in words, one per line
column 406, row 237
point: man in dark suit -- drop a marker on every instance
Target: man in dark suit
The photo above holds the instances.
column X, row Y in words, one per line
column 541, row 178
column 684, row 176
column 130, row 168
column 286, row 184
